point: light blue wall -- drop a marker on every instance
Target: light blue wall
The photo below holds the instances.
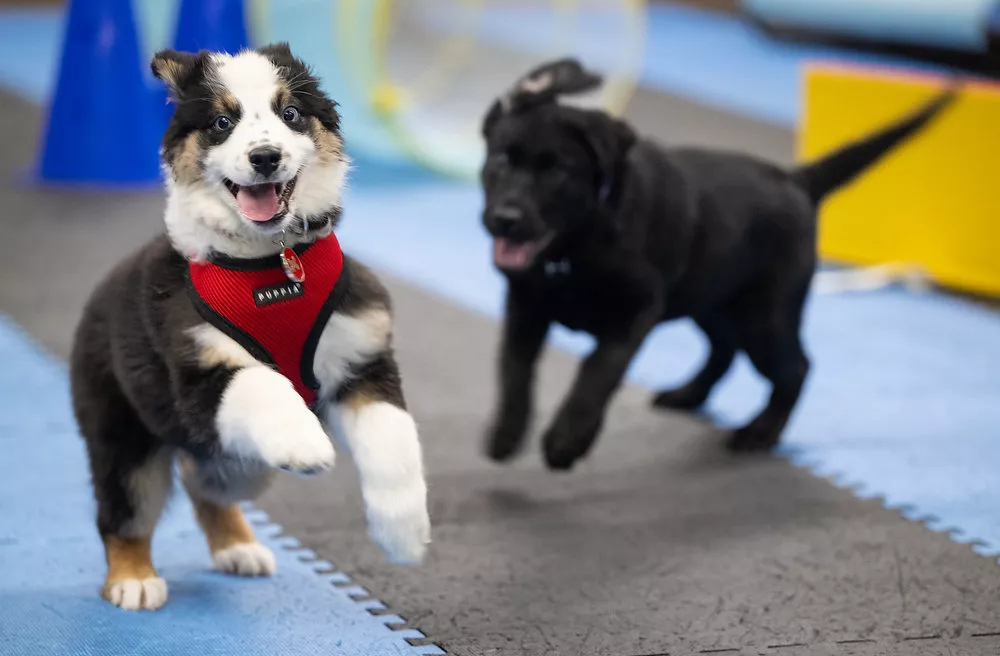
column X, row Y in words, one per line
column 957, row 24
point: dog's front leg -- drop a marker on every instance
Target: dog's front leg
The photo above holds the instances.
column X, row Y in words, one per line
column 243, row 420
column 525, row 328
column 369, row 416
column 581, row 416
column 235, row 406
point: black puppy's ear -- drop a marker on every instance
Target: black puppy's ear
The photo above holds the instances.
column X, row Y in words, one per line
column 175, row 68
column 609, row 139
column 491, row 118
column 548, row 81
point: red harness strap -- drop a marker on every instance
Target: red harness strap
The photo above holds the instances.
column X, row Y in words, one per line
column 277, row 320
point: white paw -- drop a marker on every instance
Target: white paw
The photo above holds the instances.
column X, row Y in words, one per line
column 251, row 559
column 136, row 594
column 302, row 446
column 383, row 440
column 262, row 418
column 398, row 522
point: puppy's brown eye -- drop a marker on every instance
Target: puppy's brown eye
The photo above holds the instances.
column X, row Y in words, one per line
column 290, row 114
column 222, row 123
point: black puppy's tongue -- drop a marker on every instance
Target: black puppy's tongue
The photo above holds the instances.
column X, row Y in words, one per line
column 508, row 255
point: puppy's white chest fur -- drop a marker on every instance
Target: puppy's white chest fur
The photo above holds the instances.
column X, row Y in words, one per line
column 346, row 343
column 349, row 341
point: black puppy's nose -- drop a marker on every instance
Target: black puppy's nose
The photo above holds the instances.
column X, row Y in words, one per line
column 265, row 160
column 506, row 220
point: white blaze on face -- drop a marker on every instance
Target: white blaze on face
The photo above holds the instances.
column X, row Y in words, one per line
column 222, row 204
column 253, row 81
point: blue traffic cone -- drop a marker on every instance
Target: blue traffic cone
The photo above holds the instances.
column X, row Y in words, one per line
column 218, row 25
column 103, row 126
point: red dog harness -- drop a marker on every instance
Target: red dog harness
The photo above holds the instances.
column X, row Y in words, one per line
column 275, row 307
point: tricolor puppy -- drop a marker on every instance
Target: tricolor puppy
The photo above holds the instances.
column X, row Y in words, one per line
column 608, row 233
column 237, row 343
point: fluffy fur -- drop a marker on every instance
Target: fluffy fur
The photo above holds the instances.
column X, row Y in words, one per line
column 253, row 155
column 605, row 232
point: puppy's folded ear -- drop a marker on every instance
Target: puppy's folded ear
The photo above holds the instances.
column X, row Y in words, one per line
column 175, row 68
column 549, row 81
column 608, row 139
column 542, row 85
column 491, row 118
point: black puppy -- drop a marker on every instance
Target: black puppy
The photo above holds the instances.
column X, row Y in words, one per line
column 611, row 234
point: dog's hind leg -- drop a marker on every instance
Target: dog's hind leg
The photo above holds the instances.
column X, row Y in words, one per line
column 722, row 345
column 523, row 337
column 214, row 488
column 771, row 340
column 132, row 477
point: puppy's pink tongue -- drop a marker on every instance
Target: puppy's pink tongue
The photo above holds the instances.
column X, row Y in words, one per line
column 258, row 203
column 509, row 255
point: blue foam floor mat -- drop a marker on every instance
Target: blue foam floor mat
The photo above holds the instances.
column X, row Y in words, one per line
column 902, row 402
column 52, row 562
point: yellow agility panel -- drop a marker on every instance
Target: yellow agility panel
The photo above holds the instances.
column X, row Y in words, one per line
column 933, row 202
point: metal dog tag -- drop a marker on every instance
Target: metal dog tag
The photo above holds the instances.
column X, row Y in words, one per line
column 292, row 265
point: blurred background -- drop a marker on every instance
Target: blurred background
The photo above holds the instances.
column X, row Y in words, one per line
column 903, row 331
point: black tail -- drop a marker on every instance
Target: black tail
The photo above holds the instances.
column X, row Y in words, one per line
column 841, row 167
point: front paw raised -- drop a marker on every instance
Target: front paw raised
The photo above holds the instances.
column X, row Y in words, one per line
column 297, row 444
column 262, row 418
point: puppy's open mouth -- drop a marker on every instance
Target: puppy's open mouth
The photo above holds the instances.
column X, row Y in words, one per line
column 263, row 203
column 510, row 255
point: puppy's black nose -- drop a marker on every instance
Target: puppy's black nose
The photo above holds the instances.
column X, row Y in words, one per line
column 265, row 160
column 506, row 219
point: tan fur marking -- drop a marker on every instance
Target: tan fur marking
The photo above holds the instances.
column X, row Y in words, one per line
column 188, row 467
column 283, row 95
column 224, row 526
column 329, row 145
column 225, row 103
column 186, row 160
column 128, row 558
column 169, row 70
column 378, row 320
column 363, row 395
column 217, row 349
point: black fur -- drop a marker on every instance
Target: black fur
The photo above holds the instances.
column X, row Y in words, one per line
column 378, row 378
column 197, row 102
column 148, row 390
column 630, row 234
column 131, row 398
column 137, row 385
column 194, row 99
column 304, row 85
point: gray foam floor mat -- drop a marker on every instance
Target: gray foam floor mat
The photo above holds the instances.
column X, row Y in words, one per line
column 659, row 543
